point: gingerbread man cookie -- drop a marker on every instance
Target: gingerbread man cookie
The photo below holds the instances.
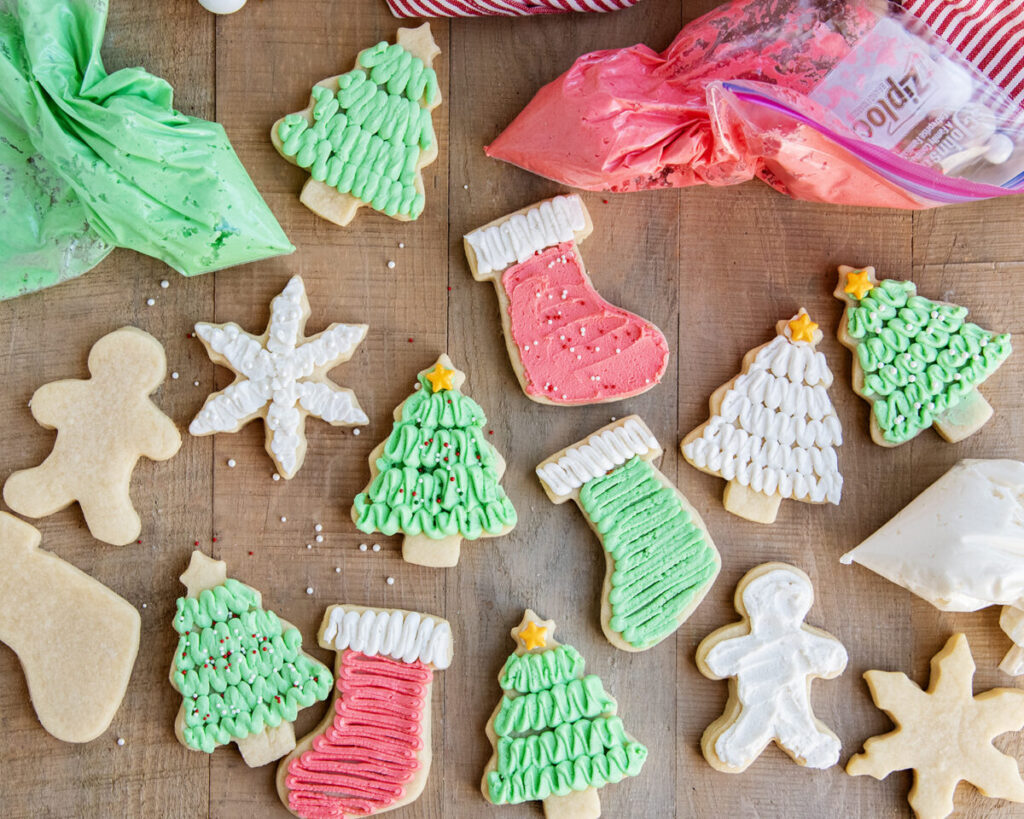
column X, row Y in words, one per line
column 76, row 640
column 944, row 734
column 770, row 657
column 104, row 425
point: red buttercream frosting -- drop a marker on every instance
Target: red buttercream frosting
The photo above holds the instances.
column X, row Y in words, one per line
column 362, row 763
column 575, row 347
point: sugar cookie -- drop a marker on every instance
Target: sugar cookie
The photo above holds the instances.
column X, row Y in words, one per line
column 104, row 425
column 240, row 669
column 435, row 478
column 660, row 559
column 367, row 135
column 773, row 430
column 918, row 362
column 770, row 657
column 372, row 751
column 281, row 377
column 76, row 640
column 943, row 734
column 567, row 345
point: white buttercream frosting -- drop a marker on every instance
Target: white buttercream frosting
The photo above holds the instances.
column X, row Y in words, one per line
column 772, row 665
column 405, row 636
column 520, row 236
column 776, row 429
column 600, row 453
column 273, row 376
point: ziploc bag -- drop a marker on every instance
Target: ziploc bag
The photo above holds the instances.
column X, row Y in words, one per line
column 851, row 102
column 90, row 160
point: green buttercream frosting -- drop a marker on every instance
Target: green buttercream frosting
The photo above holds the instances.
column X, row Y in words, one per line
column 367, row 138
column 560, row 733
column 436, row 475
column 238, row 669
column 662, row 560
column 920, row 358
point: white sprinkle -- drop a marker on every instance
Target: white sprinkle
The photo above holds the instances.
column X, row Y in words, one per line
column 572, row 349
column 231, row 463
column 617, row 350
column 165, row 284
column 583, row 331
column 465, row 187
column 309, row 589
column 337, row 569
column 195, row 383
column 355, row 431
column 309, row 545
column 150, row 302
column 401, row 244
column 647, row 381
column 564, row 396
column 376, row 547
column 175, row 376
column 120, row 741
column 362, row 547
column 597, row 349
column 276, row 477
column 319, row 538
column 284, row 519
column 391, row 265
column 417, row 386
column 145, row 606
column 391, row 581
column 614, row 418
column 318, row 528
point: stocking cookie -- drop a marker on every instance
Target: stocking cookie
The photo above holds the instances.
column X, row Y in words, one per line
column 104, row 425
column 240, row 670
column 567, row 345
column 556, row 733
column 773, row 430
column 770, row 657
column 281, row 377
column 372, row 752
column 917, row 362
column 435, row 478
column 944, row 734
column 367, row 135
column 76, row 640
column 661, row 560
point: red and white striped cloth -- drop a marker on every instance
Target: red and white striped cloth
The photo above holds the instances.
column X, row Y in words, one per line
column 988, row 33
column 506, row 8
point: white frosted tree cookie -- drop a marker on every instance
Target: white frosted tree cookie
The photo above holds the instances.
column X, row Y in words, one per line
column 281, row 377
column 918, row 362
column 773, row 431
column 960, row 546
column 436, row 478
column 76, row 640
column 660, row 558
column 239, row 668
column 556, row 733
column 372, row 752
column 367, row 135
column 104, row 425
column 568, row 346
column 771, row 657
column 943, row 734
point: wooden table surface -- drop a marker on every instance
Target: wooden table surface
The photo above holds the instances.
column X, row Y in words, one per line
column 715, row 269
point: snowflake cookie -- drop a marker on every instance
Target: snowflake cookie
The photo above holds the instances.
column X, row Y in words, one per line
column 281, row 377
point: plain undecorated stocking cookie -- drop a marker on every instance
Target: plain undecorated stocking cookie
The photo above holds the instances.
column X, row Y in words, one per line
column 660, row 558
column 568, row 346
column 372, row 752
column 75, row 638
column 104, row 425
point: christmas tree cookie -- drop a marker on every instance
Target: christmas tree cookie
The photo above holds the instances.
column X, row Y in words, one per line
column 240, row 669
column 944, row 734
column 773, row 430
column 104, row 425
column 568, row 346
column 556, row 734
column 366, row 136
column 918, row 362
column 435, row 478
column 660, row 559
column 281, row 377
column 76, row 640
column 372, row 751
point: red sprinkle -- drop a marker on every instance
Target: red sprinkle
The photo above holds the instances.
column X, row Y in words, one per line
column 215, row 540
column 250, row 554
column 195, row 543
column 410, row 341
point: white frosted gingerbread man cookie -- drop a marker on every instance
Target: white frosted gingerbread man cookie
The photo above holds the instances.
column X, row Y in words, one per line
column 104, row 425
column 770, row 657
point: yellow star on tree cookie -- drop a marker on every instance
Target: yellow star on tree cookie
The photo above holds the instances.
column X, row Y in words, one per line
column 533, row 636
column 944, row 734
column 802, row 328
column 533, row 632
column 440, row 378
column 859, row 284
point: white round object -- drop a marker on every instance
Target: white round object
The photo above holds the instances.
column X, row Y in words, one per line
column 222, row 6
column 1000, row 149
